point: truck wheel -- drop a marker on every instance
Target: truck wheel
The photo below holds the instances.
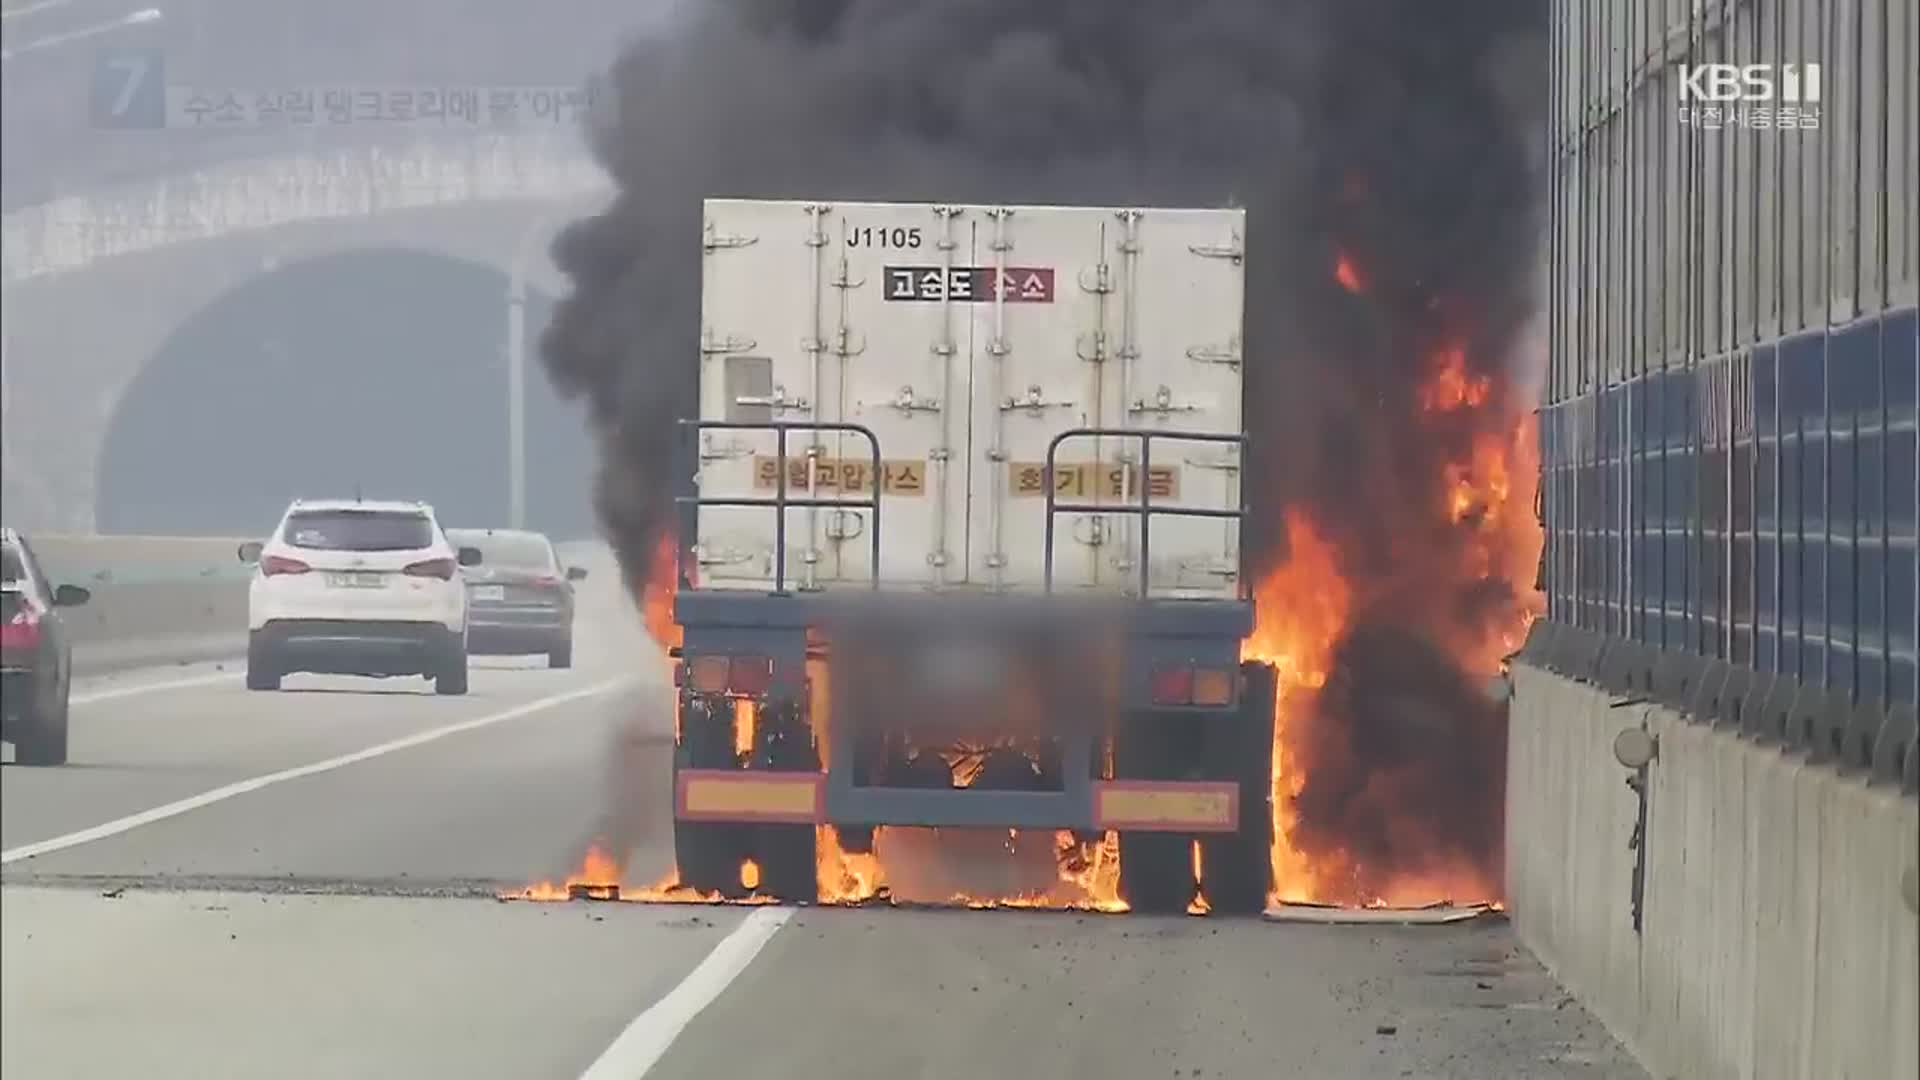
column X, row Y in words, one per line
column 1237, row 868
column 1156, row 872
column 1156, row 868
column 45, row 742
column 707, row 856
column 451, row 679
column 784, row 743
column 262, row 672
column 561, row 655
column 786, row 858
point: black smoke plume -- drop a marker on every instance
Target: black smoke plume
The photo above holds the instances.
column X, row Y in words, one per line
column 1397, row 131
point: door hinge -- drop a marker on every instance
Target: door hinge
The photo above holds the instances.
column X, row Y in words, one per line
column 907, row 402
column 713, row 239
column 1231, row 251
column 778, row 400
column 717, row 346
column 1034, row 401
column 1090, row 531
column 1228, row 354
column 732, row 450
column 1161, row 405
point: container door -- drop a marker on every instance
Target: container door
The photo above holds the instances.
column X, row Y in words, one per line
column 1037, row 371
column 1175, row 329
column 897, row 352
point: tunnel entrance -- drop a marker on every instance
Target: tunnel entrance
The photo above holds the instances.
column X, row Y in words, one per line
column 381, row 371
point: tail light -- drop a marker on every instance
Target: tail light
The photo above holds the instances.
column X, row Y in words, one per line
column 1173, row 686
column 547, row 582
column 1192, row 686
column 707, row 674
column 749, row 676
column 433, row 568
column 23, row 630
column 1213, row 686
column 280, row 564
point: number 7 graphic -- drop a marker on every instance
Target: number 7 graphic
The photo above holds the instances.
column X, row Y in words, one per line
column 129, row 89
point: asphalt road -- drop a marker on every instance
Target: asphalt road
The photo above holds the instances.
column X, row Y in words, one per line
column 235, row 884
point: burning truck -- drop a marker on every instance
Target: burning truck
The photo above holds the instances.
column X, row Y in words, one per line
column 958, row 546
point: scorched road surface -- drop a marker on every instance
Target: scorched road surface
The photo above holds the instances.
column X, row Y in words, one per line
column 236, row 884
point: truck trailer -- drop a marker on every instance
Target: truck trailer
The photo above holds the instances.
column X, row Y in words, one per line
column 959, row 542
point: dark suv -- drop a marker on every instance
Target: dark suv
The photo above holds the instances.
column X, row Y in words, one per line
column 36, row 656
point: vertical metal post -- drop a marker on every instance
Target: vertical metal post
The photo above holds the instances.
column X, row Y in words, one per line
column 780, row 511
column 517, row 399
column 1146, row 510
column 1047, row 544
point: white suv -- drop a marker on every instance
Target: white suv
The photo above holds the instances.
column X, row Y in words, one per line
column 347, row 587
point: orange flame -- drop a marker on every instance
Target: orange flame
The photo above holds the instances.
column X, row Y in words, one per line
column 1305, row 607
column 656, row 596
column 1450, row 387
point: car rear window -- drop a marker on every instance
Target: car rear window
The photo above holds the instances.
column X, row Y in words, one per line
column 518, row 551
column 359, row 530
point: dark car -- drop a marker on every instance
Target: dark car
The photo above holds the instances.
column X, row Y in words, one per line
column 36, row 656
column 520, row 599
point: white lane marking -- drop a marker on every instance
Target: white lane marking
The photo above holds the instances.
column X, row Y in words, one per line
column 208, row 798
column 94, row 697
column 646, row 1040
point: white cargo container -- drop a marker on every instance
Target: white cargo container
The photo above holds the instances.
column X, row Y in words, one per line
column 966, row 338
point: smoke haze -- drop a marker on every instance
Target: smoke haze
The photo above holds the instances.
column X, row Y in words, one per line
column 1397, row 132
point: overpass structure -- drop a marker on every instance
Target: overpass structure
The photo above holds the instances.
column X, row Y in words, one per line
column 96, row 284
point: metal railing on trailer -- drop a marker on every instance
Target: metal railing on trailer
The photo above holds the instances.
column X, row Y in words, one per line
column 1145, row 510
column 779, row 503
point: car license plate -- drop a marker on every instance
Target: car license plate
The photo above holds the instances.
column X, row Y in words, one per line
column 358, row 579
column 489, row 592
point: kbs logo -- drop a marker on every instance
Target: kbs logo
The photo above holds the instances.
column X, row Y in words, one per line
column 1785, row 84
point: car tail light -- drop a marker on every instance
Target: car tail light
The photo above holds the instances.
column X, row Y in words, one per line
column 1212, row 686
column 548, row 582
column 708, row 674
column 280, row 564
column 750, row 675
column 434, row 568
column 22, row 631
column 1173, row 686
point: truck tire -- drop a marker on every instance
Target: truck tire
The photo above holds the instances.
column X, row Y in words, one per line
column 561, row 655
column 451, row 679
column 1236, row 868
column 1156, row 872
column 45, row 740
column 263, row 673
column 707, row 854
column 1156, row 868
column 786, row 853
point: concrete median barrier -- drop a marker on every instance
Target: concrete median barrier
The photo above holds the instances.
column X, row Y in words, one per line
column 156, row 599
column 1774, row 938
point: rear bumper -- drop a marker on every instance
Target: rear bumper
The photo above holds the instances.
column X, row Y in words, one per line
column 356, row 647
column 1195, row 806
column 519, row 628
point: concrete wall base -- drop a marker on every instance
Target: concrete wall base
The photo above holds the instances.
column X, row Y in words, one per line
column 1775, row 941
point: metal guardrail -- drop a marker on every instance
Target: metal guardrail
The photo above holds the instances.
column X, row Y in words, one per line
column 780, row 503
column 1145, row 510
